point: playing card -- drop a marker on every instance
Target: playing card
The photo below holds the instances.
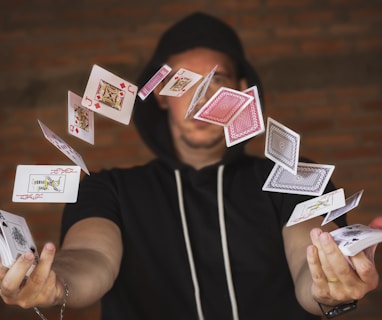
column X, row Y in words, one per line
column 80, row 119
column 356, row 238
column 310, row 179
column 350, row 203
column 46, row 183
column 248, row 123
column 180, row 82
column 282, row 145
column 154, row 81
column 200, row 91
column 63, row 147
column 109, row 95
column 317, row 206
column 224, row 106
column 15, row 237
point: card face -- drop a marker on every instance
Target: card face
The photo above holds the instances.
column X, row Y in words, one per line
column 180, row 82
column 310, row 179
column 63, row 147
column 155, row 80
column 317, row 206
column 80, row 119
column 109, row 95
column 350, row 203
column 248, row 123
column 356, row 238
column 282, row 145
column 46, row 183
column 224, row 106
column 200, row 91
column 16, row 236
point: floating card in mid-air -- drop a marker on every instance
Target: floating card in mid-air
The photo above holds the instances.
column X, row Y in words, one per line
column 224, row 106
column 80, row 119
column 311, row 179
column 46, row 183
column 180, row 82
column 317, row 206
column 282, row 145
column 248, row 123
column 350, row 203
column 109, row 95
column 63, row 147
column 155, row 80
column 200, row 91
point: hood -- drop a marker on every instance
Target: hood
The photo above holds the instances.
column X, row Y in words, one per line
column 195, row 30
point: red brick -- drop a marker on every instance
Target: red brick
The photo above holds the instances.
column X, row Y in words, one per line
column 325, row 46
column 273, row 49
column 369, row 43
column 316, row 17
column 307, row 97
column 367, row 14
column 287, row 3
column 298, row 32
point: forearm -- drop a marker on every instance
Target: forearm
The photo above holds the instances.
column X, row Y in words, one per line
column 86, row 273
column 89, row 260
column 303, row 289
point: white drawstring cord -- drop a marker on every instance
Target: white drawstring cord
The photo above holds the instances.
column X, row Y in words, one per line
column 223, row 236
column 188, row 246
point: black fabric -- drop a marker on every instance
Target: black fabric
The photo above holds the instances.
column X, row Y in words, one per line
column 195, row 30
column 155, row 279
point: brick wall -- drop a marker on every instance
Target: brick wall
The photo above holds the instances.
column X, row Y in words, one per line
column 319, row 61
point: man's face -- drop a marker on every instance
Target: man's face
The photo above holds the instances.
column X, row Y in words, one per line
column 191, row 132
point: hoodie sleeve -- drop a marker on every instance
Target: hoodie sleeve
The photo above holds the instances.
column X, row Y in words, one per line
column 97, row 197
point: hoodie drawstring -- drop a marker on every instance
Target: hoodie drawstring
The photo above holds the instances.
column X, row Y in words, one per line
column 188, row 245
column 223, row 236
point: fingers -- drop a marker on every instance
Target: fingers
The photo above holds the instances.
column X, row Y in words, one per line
column 334, row 265
column 15, row 276
column 365, row 267
column 334, row 277
column 38, row 277
column 39, row 286
column 3, row 271
column 318, row 275
column 376, row 223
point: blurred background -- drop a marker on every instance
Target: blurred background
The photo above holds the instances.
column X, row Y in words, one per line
column 320, row 62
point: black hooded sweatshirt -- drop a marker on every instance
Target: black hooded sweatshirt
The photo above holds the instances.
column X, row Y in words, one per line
column 198, row 244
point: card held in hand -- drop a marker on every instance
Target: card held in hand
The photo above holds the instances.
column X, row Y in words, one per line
column 311, row 179
column 355, row 238
column 15, row 238
column 46, row 183
column 282, row 145
column 109, row 95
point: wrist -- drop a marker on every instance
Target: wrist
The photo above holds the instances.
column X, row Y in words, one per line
column 339, row 309
column 61, row 299
column 62, row 292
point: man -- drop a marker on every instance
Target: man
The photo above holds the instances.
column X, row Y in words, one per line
column 191, row 235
